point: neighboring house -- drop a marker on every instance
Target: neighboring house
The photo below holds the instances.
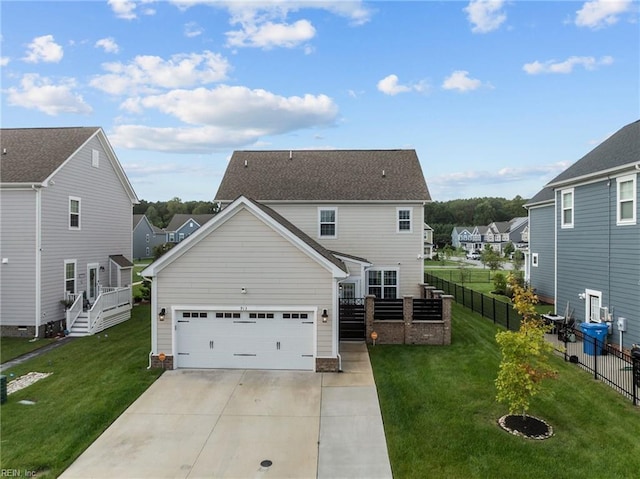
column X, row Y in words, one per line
column 259, row 285
column 497, row 235
column 519, row 232
column 428, row 241
column 461, row 236
column 65, row 209
column 540, row 259
column 593, row 206
column 182, row 226
column 145, row 237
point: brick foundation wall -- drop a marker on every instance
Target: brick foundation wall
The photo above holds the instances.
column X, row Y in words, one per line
column 327, row 365
column 409, row 331
column 19, row 331
column 156, row 363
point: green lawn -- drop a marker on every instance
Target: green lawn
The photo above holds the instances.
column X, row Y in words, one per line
column 11, row 348
column 440, row 415
column 94, row 380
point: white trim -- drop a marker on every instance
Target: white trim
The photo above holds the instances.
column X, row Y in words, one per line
column 594, row 177
column 91, row 266
column 95, row 158
column 587, row 304
column 633, row 200
column 38, row 272
column 398, row 220
column 79, row 213
column 335, row 222
column 75, row 276
column 567, row 191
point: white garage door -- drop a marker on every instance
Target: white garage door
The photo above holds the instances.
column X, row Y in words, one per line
column 245, row 340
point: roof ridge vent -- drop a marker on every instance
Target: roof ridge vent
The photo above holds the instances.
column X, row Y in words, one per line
column 246, row 163
column 384, row 174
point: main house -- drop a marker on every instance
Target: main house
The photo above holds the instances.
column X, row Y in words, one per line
column 65, row 237
column 258, row 286
column 585, row 237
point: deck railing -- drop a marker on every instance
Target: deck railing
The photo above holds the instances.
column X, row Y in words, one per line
column 74, row 311
column 109, row 299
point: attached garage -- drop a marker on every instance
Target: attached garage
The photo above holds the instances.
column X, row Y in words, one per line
column 248, row 290
column 234, row 339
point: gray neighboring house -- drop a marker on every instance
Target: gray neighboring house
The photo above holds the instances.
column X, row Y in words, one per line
column 146, row 237
column 65, row 216
column 461, row 236
column 540, row 259
column 183, row 225
column 596, row 235
column 259, row 285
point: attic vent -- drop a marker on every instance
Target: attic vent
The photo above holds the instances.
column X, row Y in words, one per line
column 384, row 173
column 4, row 151
column 246, row 163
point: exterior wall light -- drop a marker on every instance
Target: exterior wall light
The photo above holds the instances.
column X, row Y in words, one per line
column 582, row 296
column 163, row 313
column 325, row 316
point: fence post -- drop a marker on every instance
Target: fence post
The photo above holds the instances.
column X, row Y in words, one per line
column 595, row 357
column 635, row 359
column 369, row 308
column 506, row 307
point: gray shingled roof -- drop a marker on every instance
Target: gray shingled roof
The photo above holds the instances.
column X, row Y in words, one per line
column 32, row 154
column 324, row 175
column 324, row 252
column 181, row 218
column 620, row 149
column 545, row 195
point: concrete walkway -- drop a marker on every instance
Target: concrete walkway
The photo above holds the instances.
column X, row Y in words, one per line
column 35, row 353
column 247, row 424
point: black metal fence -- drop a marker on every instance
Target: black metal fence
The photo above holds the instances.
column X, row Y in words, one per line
column 427, row 309
column 498, row 311
column 388, row 309
column 616, row 368
column 351, row 320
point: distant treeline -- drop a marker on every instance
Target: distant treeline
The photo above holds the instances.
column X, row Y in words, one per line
column 443, row 216
column 161, row 212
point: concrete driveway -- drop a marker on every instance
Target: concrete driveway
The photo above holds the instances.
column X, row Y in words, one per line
column 247, row 424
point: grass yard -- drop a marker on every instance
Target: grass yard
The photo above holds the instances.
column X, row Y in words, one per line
column 94, row 380
column 11, row 348
column 440, row 415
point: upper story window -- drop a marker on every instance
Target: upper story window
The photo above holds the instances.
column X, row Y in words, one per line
column 74, row 213
column 180, row 236
column 172, row 237
column 327, row 222
column 626, row 200
column 147, row 238
column 404, row 220
column 567, row 208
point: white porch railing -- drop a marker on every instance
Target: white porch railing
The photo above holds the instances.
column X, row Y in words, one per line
column 109, row 300
column 74, row 311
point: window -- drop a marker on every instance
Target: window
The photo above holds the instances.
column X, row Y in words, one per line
column 147, row 251
column 567, row 208
column 95, row 158
column 180, row 236
column 74, row 213
column 328, row 220
column 147, row 237
column 404, row 220
column 70, row 276
column 172, row 237
column 626, row 201
column 383, row 283
column 534, row 259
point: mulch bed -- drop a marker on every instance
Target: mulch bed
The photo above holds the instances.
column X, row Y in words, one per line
column 528, row 427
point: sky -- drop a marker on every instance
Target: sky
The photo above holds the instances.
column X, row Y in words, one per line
column 496, row 97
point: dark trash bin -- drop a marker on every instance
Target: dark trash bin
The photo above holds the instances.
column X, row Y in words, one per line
column 594, row 336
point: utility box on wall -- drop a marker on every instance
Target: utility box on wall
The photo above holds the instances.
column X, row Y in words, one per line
column 622, row 324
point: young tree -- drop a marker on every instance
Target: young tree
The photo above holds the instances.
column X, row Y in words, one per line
column 491, row 258
column 518, row 260
column 526, row 354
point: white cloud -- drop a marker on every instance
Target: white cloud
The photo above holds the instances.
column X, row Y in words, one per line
column 499, row 176
column 389, row 86
column 223, row 117
column 566, row 66
column 108, row 44
column 40, row 93
column 192, row 29
column 43, row 49
column 129, row 9
column 601, row 13
column 269, row 35
column 145, row 74
column 485, row 15
column 459, row 80
column 4, row 61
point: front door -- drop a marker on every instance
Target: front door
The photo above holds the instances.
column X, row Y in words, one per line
column 92, row 282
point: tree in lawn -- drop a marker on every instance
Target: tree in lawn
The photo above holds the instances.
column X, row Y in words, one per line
column 526, row 358
column 491, row 258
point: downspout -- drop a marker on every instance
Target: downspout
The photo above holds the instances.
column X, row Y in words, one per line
column 38, row 292
column 154, row 332
column 555, row 250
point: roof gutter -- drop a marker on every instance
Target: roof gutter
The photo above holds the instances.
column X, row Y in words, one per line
column 603, row 174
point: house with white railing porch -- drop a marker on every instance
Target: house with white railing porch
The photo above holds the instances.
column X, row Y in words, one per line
column 66, row 210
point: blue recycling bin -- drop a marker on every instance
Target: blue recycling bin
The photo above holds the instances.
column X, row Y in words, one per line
column 594, row 336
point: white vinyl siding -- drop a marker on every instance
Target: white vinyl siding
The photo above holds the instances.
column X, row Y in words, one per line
column 369, row 231
column 74, row 213
column 18, row 214
column 566, row 201
column 405, row 224
column 327, row 223
column 626, row 200
column 271, row 270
